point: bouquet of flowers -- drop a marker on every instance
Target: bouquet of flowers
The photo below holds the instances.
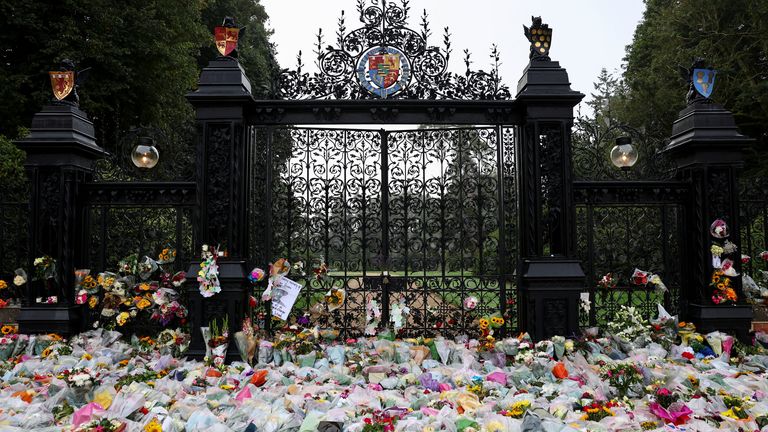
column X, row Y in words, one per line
column 172, row 341
column 247, row 341
column 629, row 328
column 141, row 299
column 624, row 377
column 102, row 425
column 81, row 382
column 208, row 276
column 723, row 292
column 665, row 405
column 608, row 281
column 217, row 341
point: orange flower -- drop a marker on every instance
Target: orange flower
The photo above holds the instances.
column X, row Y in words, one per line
column 3, row 284
column 730, row 294
column 8, row 329
column 259, row 378
column 144, row 286
column 143, row 303
column 25, row 395
column 559, row 371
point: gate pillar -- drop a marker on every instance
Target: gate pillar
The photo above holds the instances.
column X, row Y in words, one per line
column 550, row 278
column 708, row 150
column 61, row 150
column 220, row 218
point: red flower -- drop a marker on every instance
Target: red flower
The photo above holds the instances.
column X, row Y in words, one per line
column 688, row 355
column 252, row 301
column 367, row 421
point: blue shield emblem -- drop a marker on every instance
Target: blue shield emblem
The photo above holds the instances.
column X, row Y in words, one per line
column 704, row 81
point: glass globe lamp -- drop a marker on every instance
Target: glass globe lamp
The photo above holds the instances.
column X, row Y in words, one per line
column 145, row 154
column 624, row 155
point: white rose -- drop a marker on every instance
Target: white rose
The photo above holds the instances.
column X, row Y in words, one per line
column 38, row 261
column 19, row 281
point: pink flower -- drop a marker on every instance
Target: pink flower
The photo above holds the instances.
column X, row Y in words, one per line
column 663, row 392
column 764, row 255
column 745, row 258
column 470, row 303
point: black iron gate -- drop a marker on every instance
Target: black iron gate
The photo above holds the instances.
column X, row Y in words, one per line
column 425, row 215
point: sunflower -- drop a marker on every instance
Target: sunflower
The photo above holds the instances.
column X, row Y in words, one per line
column 89, row 282
column 497, row 321
column 7, row 329
column 715, row 279
column 483, row 323
column 153, row 426
column 721, row 286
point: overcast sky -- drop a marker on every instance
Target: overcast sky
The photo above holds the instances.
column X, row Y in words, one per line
column 588, row 34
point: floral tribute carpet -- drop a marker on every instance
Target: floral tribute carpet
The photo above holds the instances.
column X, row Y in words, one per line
column 635, row 375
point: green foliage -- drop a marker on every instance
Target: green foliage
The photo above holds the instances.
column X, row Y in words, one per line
column 145, row 56
column 12, row 175
column 732, row 36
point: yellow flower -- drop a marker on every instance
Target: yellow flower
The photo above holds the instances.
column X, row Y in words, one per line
column 3, row 284
column 153, row 426
column 143, row 303
column 46, row 352
column 7, row 329
column 144, row 286
column 87, row 356
column 484, row 323
column 122, row 318
column 92, row 302
column 493, row 426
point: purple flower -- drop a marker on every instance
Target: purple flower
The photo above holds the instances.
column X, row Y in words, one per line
column 303, row 320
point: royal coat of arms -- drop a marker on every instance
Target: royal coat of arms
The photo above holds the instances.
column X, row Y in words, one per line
column 383, row 71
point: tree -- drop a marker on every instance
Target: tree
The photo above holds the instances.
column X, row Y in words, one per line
column 732, row 36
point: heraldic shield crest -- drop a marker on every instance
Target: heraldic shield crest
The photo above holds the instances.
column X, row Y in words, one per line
column 62, row 83
column 226, row 39
column 383, row 72
column 704, row 81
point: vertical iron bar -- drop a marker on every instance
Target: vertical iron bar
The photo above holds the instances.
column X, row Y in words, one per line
column 665, row 250
column 384, row 286
column 501, row 247
column 590, row 266
column 268, row 192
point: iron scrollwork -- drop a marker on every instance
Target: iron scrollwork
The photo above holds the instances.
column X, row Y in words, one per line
column 385, row 30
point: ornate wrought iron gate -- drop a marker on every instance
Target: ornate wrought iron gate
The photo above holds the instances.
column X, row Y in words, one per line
column 427, row 215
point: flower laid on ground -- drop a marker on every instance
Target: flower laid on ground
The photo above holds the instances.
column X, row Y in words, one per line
column 597, row 411
column 208, row 275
